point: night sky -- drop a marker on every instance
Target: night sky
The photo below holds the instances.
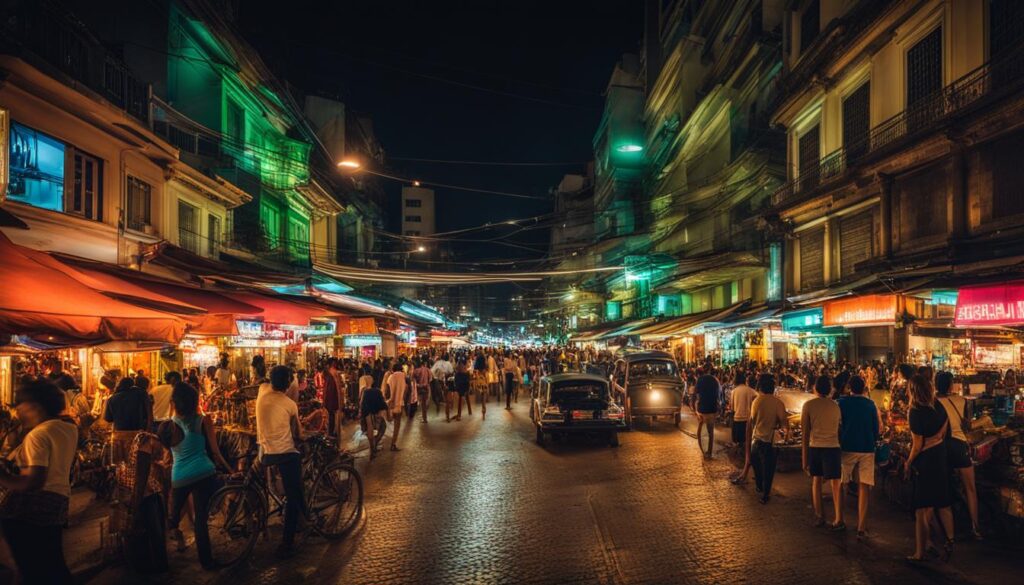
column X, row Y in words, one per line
column 407, row 64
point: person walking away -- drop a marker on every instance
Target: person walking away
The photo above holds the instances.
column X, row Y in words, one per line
column 708, row 397
column 193, row 471
column 440, row 372
column 35, row 508
column 372, row 408
column 421, row 380
column 859, row 428
column 161, row 397
column 957, row 447
column 397, row 399
column 480, row 382
column 928, row 464
column 508, row 368
column 129, row 411
column 741, row 397
column 767, row 413
column 277, row 433
column 493, row 376
column 332, row 397
column 461, row 385
column 820, row 453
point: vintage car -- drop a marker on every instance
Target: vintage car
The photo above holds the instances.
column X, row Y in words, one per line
column 648, row 384
column 576, row 403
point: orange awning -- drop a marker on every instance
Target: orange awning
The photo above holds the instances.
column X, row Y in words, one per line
column 277, row 309
column 40, row 301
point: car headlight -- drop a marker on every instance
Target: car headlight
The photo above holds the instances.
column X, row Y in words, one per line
column 655, row 395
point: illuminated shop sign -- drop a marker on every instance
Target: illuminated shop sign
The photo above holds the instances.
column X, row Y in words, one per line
column 861, row 311
column 312, row 330
column 1001, row 304
column 993, row 355
column 361, row 340
column 357, row 326
column 803, row 320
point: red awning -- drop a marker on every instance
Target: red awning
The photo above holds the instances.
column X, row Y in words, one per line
column 278, row 309
column 40, row 301
column 103, row 278
column 221, row 310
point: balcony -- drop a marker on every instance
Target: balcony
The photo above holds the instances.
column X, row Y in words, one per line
column 64, row 44
column 987, row 83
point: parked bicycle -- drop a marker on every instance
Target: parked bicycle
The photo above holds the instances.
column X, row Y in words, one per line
column 240, row 510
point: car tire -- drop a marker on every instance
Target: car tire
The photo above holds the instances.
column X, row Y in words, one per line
column 613, row 439
column 678, row 418
column 540, row 437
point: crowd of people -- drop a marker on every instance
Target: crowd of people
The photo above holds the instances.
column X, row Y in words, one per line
column 841, row 426
column 840, row 431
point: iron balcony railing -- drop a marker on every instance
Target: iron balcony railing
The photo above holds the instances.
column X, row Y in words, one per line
column 989, row 81
column 64, row 44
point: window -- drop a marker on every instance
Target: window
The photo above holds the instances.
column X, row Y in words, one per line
column 139, row 204
column 1006, row 25
column 921, row 197
column 215, row 235
column 1007, row 175
column 856, row 242
column 413, row 218
column 270, row 220
column 234, row 123
column 298, row 239
column 812, row 259
column 36, row 169
column 188, row 227
column 856, row 121
column 810, row 24
column 924, row 68
column 87, row 191
column 413, row 203
column 412, row 232
column 809, row 154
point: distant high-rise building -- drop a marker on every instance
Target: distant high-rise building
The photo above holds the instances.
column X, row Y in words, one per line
column 418, row 213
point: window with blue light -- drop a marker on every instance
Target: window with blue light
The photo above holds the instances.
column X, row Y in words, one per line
column 36, row 168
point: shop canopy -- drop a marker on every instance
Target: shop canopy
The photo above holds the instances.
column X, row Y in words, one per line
column 40, row 301
column 680, row 326
column 282, row 310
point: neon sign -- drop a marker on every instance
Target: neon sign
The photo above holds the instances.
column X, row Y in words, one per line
column 990, row 305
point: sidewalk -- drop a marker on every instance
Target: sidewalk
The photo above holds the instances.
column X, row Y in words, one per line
column 890, row 528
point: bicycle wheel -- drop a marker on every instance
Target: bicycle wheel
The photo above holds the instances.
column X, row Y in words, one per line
column 336, row 501
column 235, row 519
column 702, row 438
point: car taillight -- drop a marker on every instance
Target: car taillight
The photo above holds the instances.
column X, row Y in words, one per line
column 616, row 414
column 578, row 414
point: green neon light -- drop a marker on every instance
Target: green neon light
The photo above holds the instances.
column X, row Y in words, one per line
column 630, row 148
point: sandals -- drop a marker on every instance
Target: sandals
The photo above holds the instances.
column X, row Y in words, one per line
column 395, row 448
column 947, row 550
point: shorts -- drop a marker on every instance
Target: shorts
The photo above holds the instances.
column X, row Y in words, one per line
column 739, row 431
column 827, row 462
column 958, row 453
column 859, row 467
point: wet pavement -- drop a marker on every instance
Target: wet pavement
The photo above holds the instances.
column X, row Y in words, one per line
column 479, row 502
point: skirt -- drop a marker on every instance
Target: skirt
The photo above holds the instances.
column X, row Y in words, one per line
column 931, row 479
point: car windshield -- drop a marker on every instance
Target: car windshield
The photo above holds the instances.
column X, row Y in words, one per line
column 573, row 391
column 653, row 368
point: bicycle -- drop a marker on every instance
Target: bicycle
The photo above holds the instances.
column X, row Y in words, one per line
column 240, row 510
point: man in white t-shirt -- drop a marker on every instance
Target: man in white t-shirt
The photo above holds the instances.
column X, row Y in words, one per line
column 740, row 400
column 161, row 396
column 278, row 432
column 42, row 488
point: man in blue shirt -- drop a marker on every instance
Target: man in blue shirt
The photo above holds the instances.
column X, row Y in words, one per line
column 859, row 429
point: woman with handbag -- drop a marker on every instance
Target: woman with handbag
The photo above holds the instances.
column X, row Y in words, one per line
column 958, row 450
column 34, row 507
column 928, row 465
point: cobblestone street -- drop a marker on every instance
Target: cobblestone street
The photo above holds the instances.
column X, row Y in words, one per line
column 478, row 502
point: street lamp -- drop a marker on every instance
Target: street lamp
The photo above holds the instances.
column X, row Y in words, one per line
column 421, row 249
column 350, row 163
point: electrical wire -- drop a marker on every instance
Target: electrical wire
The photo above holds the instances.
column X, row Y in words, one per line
column 488, row 163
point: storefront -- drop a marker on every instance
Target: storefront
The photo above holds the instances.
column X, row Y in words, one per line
column 871, row 322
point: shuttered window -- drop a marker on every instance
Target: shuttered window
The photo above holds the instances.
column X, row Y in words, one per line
column 188, row 227
column 810, row 24
column 810, row 155
column 922, row 201
column 856, row 121
column 924, row 67
column 1007, row 175
column 856, row 242
column 812, row 259
column 1006, row 25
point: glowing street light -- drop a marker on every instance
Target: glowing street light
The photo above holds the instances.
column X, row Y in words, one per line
column 630, row 148
column 421, row 248
column 350, row 164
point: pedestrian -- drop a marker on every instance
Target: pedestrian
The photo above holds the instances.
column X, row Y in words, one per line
column 192, row 440
column 508, row 368
column 372, row 409
column 421, row 381
column 860, row 427
column 741, row 398
column 461, row 386
column 957, row 447
column 707, row 398
column 332, row 397
column 440, row 372
column 35, row 508
column 398, row 397
column 820, row 453
column 767, row 413
column 278, row 432
column 160, row 397
column 223, row 376
column 928, row 465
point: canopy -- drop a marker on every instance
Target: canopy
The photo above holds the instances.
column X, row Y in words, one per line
column 278, row 309
column 92, row 275
column 40, row 301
